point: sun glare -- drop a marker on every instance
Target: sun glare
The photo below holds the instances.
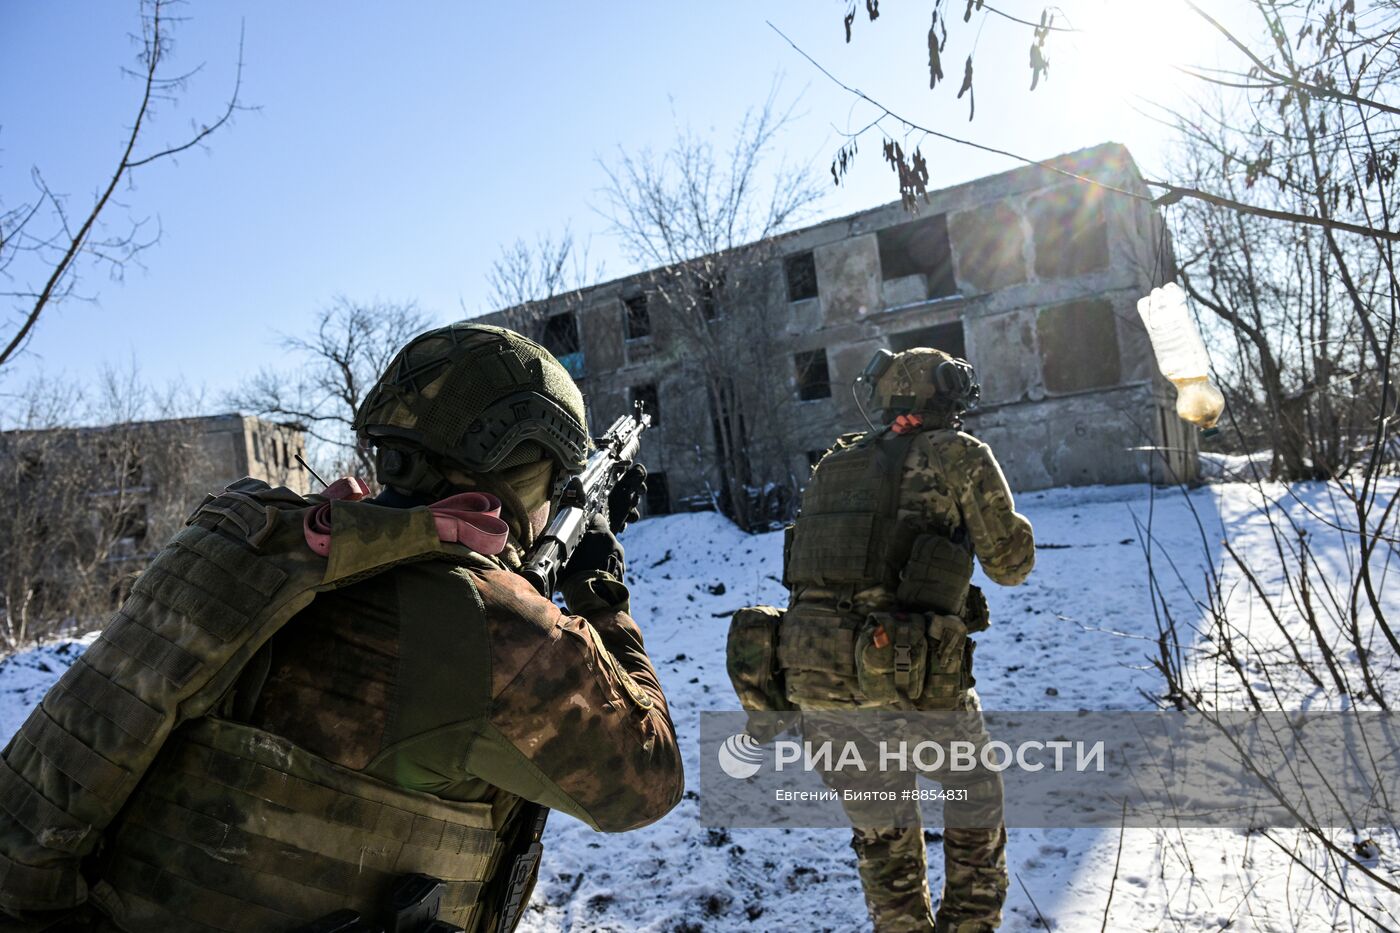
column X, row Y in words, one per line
column 1135, row 47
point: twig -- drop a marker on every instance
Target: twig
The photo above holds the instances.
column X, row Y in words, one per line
column 54, row 288
column 1122, row 827
column 1173, row 193
column 1043, row 922
column 1025, row 22
column 1313, row 89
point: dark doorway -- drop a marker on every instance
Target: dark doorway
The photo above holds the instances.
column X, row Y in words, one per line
column 637, row 317
column 813, row 375
column 647, row 395
column 801, row 272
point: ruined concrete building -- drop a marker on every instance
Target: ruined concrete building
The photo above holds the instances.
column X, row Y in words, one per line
column 86, row 507
column 1032, row 275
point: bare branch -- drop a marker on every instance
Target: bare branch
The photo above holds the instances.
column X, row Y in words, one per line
column 75, row 243
column 1314, row 89
column 348, row 347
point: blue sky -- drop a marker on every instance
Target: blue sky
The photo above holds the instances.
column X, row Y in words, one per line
column 397, row 146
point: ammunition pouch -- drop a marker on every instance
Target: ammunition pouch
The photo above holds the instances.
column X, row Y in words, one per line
column 817, row 638
column 892, row 656
column 937, row 575
column 751, row 656
column 950, row 661
column 912, row 656
column 524, row 859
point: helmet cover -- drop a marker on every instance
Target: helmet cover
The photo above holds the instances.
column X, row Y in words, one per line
column 483, row 397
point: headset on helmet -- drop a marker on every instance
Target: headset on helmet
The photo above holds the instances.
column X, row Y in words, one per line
column 957, row 380
column 918, row 379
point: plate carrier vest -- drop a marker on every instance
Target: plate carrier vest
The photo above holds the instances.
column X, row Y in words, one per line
column 223, row 801
column 848, row 536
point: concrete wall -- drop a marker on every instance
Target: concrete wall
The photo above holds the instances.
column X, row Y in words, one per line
column 1046, row 272
column 166, row 469
column 226, row 449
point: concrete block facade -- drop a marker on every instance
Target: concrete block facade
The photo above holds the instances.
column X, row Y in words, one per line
column 103, row 500
column 1032, row 275
column 175, row 463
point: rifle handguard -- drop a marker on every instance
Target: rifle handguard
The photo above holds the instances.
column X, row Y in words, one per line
column 584, row 495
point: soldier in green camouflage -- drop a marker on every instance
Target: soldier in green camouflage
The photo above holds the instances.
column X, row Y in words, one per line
column 345, row 692
column 879, row 565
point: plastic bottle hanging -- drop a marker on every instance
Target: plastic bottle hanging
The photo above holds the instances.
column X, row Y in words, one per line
column 1181, row 355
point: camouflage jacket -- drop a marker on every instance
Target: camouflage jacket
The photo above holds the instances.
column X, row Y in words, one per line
column 952, row 480
column 563, row 709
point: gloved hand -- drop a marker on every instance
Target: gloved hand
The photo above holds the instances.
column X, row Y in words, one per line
column 626, row 495
column 597, row 550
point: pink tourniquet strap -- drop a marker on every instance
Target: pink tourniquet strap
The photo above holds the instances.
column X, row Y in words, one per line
column 316, row 526
column 472, row 519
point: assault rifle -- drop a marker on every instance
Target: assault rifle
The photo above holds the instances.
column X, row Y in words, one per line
column 585, row 495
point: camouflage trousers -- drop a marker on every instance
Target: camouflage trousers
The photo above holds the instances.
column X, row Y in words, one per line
column 892, row 859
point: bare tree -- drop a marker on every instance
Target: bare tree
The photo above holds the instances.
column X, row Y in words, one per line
column 1302, row 294
column 705, row 220
column 1307, row 312
column 45, row 243
column 532, row 282
column 349, row 346
column 94, row 480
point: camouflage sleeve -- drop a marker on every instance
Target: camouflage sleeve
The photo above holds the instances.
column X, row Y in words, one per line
column 579, row 722
column 1001, row 537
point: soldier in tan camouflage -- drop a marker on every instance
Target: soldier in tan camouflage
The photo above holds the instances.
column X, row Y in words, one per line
column 879, row 565
column 362, row 689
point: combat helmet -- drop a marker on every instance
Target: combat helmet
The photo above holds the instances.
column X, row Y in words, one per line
column 923, row 379
column 478, row 397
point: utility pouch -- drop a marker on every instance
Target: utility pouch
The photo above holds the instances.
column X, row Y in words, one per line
column 892, row 656
column 751, row 656
column 937, row 576
column 947, row 649
column 818, row 638
column 975, row 614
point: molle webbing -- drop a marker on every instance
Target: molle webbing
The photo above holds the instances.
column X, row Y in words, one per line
column 104, row 698
column 846, row 527
column 160, row 655
column 210, row 599
column 81, row 752
column 48, row 824
column 239, row 829
column 38, row 884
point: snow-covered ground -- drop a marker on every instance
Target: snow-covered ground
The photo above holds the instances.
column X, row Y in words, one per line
column 1076, row 636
